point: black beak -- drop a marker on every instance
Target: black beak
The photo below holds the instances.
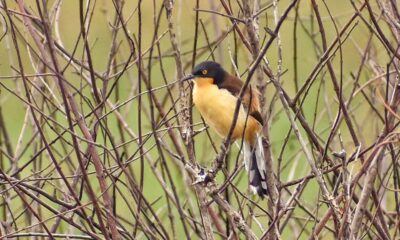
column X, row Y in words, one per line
column 188, row 77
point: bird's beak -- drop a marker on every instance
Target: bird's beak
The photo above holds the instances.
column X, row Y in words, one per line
column 188, row 77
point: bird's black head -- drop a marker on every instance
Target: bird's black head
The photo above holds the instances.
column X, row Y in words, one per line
column 208, row 69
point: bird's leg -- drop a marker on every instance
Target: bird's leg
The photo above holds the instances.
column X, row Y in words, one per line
column 204, row 176
column 220, row 159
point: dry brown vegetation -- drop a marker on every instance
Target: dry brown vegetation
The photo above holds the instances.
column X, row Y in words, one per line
column 99, row 140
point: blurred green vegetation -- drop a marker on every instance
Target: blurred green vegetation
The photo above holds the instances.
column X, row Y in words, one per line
column 14, row 109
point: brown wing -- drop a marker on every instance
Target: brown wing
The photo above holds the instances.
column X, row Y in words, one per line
column 251, row 96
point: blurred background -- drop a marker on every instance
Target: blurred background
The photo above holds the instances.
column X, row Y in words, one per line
column 98, row 138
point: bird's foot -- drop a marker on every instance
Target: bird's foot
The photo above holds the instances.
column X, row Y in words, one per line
column 203, row 176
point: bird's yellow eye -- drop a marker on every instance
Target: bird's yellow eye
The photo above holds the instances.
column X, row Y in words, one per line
column 204, row 72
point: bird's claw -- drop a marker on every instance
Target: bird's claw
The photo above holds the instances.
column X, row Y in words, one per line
column 202, row 176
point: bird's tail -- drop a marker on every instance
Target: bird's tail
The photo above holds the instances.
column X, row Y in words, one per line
column 255, row 165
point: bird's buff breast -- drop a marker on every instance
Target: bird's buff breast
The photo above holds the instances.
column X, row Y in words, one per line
column 217, row 107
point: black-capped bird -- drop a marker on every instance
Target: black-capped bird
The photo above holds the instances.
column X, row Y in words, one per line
column 215, row 95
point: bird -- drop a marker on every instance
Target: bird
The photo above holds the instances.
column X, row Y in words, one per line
column 215, row 94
